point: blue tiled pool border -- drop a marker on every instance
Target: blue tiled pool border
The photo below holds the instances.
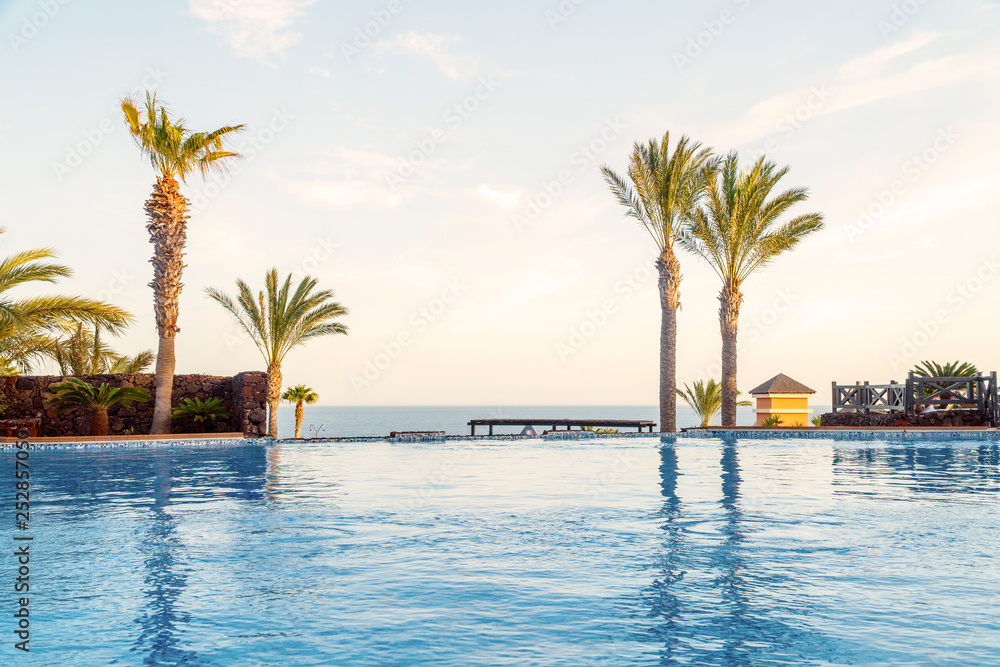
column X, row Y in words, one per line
column 840, row 434
column 126, row 444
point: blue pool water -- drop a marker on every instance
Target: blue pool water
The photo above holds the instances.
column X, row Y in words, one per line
column 610, row 552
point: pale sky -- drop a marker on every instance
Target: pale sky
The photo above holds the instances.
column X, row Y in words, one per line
column 416, row 171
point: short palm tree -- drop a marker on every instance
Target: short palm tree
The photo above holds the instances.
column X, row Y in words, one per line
column 279, row 318
column 661, row 191
column 84, row 353
column 954, row 369
column 75, row 393
column 175, row 153
column 705, row 399
column 299, row 395
column 200, row 411
column 28, row 326
column 737, row 231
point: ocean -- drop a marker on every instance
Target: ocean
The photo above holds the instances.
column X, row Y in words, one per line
column 340, row 421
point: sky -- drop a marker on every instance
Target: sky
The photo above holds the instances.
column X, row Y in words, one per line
column 438, row 166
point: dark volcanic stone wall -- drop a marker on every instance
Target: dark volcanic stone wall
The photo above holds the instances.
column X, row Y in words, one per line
column 243, row 396
column 942, row 418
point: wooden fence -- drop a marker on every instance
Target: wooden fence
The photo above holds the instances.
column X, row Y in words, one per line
column 978, row 392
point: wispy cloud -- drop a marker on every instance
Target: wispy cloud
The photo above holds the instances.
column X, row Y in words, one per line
column 434, row 48
column 862, row 81
column 257, row 29
column 870, row 62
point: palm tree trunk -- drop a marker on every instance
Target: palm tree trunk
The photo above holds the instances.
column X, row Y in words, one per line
column 273, row 398
column 99, row 421
column 670, row 298
column 164, row 386
column 730, row 300
column 167, row 227
column 299, row 414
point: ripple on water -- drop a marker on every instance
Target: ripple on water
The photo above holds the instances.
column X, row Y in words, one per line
column 519, row 553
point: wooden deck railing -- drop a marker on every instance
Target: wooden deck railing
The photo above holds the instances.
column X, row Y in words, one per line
column 978, row 392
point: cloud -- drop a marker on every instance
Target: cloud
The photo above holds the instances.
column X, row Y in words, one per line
column 861, row 82
column 506, row 200
column 434, row 48
column 256, row 29
column 343, row 194
column 320, row 72
column 871, row 61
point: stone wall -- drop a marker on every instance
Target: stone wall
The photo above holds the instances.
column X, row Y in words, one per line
column 938, row 418
column 243, row 396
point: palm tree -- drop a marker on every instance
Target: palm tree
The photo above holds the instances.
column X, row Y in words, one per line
column 28, row 326
column 75, row 393
column 278, row 319
column 298, row 395
column 84, row 353
column 954, row 369
column 175, row 152
column 705, row 399
column 661, row 192
column 737, row 232
column 200, row 411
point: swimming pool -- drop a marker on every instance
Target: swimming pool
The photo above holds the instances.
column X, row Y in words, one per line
column 610, row 552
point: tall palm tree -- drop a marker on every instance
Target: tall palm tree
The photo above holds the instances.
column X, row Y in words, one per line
column 737, row 231
column 28, row 326
column 84, row 353
column 705, row 398
column 661, row 192
column 175, row 153
column 299, row 394
column 74, row 393
column 278, row 319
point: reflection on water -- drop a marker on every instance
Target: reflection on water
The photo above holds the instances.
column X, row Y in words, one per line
column 724, row 619
column 164, row 581
column 943, row 471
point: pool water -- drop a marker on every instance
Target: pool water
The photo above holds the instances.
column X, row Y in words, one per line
column 609, row 552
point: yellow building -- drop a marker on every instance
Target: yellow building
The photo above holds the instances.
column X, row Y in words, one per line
column 783, row 397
